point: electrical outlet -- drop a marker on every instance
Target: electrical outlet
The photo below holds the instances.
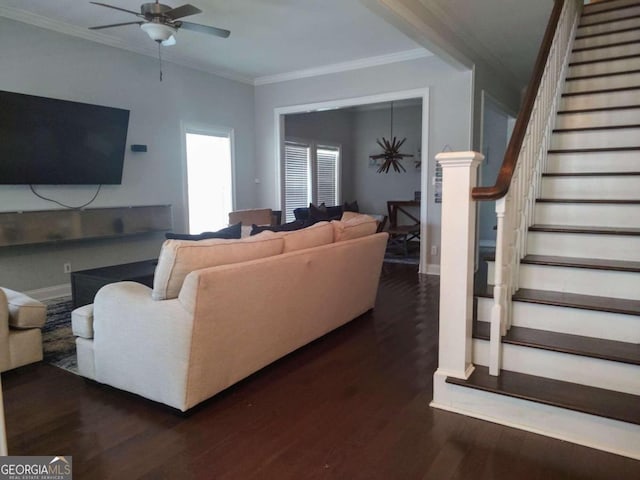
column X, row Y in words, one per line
column 434, row 250
column 67, row 267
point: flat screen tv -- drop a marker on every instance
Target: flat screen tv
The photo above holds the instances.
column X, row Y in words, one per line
column 44, row 141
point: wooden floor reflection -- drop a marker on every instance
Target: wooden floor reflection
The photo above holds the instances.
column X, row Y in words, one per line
column 352, row 405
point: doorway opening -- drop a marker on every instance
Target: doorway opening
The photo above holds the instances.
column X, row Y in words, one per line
column 209, row 155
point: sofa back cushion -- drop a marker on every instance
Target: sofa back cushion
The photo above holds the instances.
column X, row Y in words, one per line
column 320, row 233
column 354, row 226
column 178, row 258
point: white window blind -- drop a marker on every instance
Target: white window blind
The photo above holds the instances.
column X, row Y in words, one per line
column 311, row 174
column 327, row 175
column 296, row 168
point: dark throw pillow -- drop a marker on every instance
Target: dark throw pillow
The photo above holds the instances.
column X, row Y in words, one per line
column 351, row 207
column 227, row 233
column 285, row 227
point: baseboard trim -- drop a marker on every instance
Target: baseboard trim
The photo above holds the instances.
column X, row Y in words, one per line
column 433, row 269
column 48, row 293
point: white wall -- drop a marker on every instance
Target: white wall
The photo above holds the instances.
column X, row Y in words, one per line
column 45, row 63
column 450, row 93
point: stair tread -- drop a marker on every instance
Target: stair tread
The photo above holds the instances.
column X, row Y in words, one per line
column 582, row 398
column 612, row 20
column 608, row 45
column 610, row 32
column 598, row 109
column 591, row 174
column 602, row 349
column 585, row 229
column 602, row 127
column 588, row 200
column 601, row 91
column 597, row 75
column 591, row 150
column 575, row 300
column 587, row 13
column 600, row 60
column 593, row 263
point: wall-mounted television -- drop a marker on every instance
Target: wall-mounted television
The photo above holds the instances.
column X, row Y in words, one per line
column 44, row 141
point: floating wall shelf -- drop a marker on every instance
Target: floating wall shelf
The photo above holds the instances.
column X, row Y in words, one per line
column 48, row 226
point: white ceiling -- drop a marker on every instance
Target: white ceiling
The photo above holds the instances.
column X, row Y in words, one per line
column 271, row 39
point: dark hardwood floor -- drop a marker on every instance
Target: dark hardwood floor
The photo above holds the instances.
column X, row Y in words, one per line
column 352, row 405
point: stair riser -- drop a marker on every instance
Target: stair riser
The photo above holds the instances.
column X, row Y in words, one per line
column 586, row 188
column 599, row 119
column 598, row 7
column 600, row 68
column 609, row 247
column 607, row 39
column 620, row 377
column 582, row 281
column 613, row 15
column 573, row 321
column 593, row 162
column 609, row 27
column 579, row 214
column 603, row 53
column 620, row 137
column 588, row 430
column 601, row 100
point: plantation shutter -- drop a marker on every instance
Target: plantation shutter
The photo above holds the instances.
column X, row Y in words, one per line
column 296, row 177
column 327, row 175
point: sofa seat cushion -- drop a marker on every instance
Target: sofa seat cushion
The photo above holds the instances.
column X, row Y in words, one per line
column 354, row 226
column 318, row 234
column 178, row 258
column 24, row 311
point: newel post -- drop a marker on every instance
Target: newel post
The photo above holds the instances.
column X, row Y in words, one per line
column 459, row 175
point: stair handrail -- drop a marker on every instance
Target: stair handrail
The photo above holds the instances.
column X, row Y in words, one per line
column 520, row 178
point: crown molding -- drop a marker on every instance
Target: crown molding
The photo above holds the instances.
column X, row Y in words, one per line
column 94, row 36
column 345, row 66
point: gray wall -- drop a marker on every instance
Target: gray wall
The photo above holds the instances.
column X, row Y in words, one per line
column 450, row 114
column 494, row 144
column 45, row 63
column 334, row 126
column 373, row 189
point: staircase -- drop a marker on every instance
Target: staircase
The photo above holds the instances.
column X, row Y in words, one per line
column 570, row 362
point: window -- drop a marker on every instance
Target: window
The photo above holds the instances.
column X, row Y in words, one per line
column 311, row 175
column 209, row 180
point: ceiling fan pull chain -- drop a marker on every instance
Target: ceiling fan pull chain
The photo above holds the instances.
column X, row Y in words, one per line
column 160, row 58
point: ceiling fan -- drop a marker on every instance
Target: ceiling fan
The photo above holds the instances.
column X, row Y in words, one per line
column 161, row 22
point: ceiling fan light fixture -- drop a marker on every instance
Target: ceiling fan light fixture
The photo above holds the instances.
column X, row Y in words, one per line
column 158, row 32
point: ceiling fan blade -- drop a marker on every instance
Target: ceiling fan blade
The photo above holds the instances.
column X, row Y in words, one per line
column 183, row 11
column 196, row 27
column 115, row 25
column 137, row 14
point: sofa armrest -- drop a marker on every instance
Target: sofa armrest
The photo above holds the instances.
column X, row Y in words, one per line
column 141, row 345
column 82, row 321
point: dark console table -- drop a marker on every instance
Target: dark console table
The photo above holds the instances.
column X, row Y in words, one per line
column 86, row 283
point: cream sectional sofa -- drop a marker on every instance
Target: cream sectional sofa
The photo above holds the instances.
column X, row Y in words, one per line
column 222, row 309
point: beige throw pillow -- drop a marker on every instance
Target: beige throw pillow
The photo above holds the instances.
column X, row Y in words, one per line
column 354, row 227
column 178, row 258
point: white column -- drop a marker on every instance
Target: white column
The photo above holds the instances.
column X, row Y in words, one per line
column 3, row 433
column 459, row 175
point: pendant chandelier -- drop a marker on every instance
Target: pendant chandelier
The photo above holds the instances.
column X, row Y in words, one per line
column 390, row 152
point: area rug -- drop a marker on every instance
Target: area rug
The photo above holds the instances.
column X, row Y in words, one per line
column 57, row 339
